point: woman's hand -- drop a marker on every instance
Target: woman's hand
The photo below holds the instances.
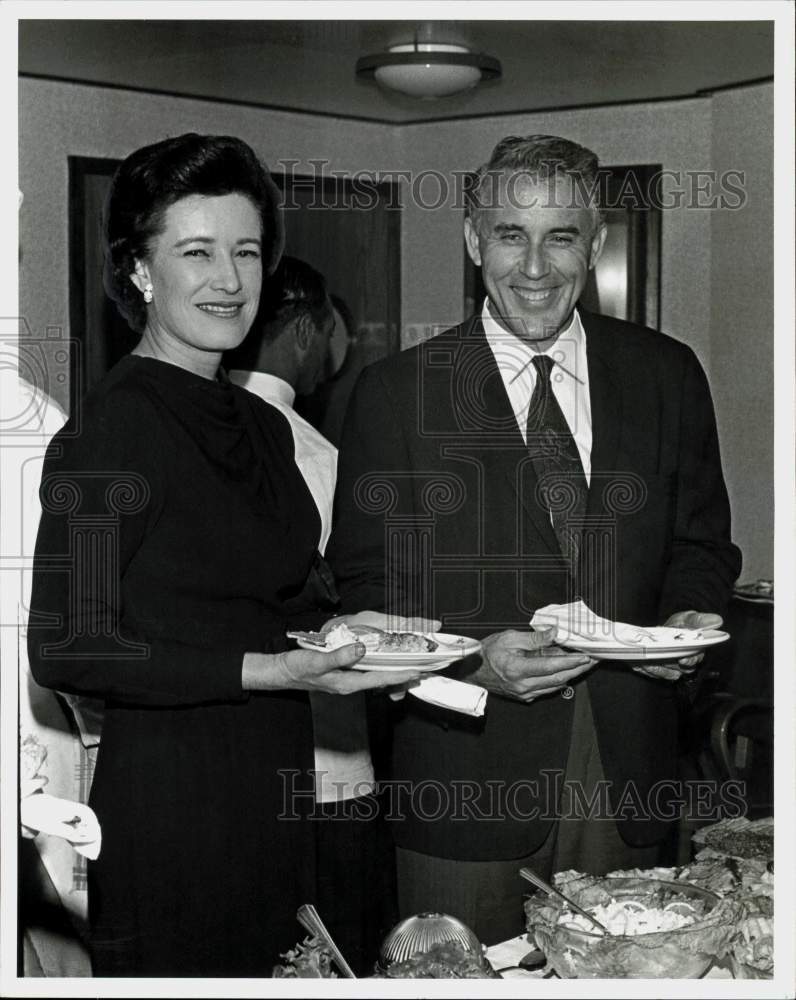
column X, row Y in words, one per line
column 308, row 670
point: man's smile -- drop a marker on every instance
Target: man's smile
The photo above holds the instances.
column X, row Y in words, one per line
column 531, row 295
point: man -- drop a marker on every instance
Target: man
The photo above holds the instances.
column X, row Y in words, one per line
column 283, row 355
column 534, row 455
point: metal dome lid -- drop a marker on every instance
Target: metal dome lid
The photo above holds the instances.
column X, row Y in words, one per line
column 419, row 933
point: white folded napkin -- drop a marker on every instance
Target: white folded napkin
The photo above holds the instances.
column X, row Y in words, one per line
column 72, row 821
column 577, row 621
column 444, row 692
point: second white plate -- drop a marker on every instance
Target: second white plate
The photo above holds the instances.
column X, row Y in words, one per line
column 654, row 651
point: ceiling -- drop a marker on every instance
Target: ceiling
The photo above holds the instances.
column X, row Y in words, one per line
column 309, row 65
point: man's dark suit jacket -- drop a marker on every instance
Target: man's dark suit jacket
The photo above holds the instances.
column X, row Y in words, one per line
column 436, row 514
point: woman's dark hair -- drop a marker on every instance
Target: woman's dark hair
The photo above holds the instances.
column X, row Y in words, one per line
column 155, row 177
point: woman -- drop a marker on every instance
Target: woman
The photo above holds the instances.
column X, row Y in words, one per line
column 175, row 523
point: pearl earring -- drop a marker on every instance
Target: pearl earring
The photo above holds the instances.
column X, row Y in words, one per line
column 147, row 293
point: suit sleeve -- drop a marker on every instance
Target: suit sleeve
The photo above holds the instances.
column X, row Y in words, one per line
column 373, row 482
column 101, row 491
column 704, row 562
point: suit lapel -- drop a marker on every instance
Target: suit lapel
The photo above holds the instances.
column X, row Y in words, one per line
column 477, row 369
column 605, row 396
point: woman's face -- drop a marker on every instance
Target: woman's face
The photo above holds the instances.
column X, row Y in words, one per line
column 205, row 269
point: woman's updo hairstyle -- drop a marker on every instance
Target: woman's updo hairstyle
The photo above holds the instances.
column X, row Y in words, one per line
column 155, row 177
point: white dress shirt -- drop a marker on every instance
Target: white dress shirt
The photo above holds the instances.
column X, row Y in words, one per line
column 343, row 764
column 569, row 377
column 316, row 457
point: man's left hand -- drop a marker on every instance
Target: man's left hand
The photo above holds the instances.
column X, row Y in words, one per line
column 674, row 671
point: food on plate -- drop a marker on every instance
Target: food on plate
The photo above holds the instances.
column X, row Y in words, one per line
column 744, row 849
column 713, row 873
column 378, row 640
column 309, row 960
column 657, row 929
column 753, row 949
column 405, row 642
column 375, row 640
column 443, row 960
column 739, row 838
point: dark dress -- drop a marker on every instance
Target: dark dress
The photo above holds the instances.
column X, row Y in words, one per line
column 174, row 525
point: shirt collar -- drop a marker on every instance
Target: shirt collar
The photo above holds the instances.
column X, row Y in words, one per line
column 265, row 385
column 513, row 356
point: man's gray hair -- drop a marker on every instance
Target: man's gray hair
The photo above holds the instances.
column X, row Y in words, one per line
column 540, row 157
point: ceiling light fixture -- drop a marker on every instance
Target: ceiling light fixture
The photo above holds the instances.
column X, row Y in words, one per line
column 428, row 70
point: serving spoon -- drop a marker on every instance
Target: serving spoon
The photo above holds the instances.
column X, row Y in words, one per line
column 309, row 919
column 540, row 883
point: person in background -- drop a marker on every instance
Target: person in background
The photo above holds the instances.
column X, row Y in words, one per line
column 285, row 355
column 533, row 455
column 175, row 528
column 344, row 337
column 53, row 761
column 325, row 407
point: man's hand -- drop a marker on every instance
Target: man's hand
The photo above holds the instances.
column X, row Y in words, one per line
column 674, row 671
column 525, row 665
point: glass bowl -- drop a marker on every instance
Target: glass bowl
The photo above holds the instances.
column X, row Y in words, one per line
column 682, row 953
column 438, row 933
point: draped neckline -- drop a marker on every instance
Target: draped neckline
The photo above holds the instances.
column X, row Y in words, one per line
column 221, row 420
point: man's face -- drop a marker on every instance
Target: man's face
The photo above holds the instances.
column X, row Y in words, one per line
column 535, row 248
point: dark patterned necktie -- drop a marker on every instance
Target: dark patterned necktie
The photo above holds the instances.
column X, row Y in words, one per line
column 559, row 472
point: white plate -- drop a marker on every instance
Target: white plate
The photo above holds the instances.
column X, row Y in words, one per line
column 654, row 651
column 455, row 648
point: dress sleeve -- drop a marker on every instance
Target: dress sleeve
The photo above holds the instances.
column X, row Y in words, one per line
column 704, row 562
column 103, row 487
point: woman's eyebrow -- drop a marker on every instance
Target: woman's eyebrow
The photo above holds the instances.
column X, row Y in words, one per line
column 211, row 239
column 194, row 239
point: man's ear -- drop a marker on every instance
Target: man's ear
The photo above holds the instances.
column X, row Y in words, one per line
column 140, row 276
column 472, row 242
column 305, row 331
column 597, row 244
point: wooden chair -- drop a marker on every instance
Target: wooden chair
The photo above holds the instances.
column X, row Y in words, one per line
column 742, row 742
